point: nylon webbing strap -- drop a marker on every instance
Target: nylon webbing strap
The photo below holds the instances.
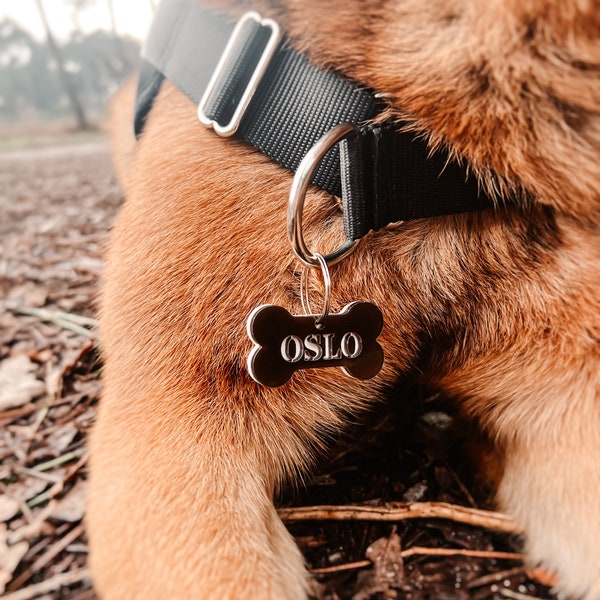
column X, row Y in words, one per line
column 378, row 191
column 296, row 105
column 386, row 176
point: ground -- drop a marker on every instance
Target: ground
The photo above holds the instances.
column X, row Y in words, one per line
column 57, row 202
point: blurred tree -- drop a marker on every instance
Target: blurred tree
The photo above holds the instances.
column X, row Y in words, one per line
column 118, row 41
column 77, row 107
column 96, row 67
column 29, row 85
column 26, row 81
column 76, row 7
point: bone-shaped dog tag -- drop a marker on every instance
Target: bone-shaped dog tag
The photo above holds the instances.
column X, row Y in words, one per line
column 286, row 343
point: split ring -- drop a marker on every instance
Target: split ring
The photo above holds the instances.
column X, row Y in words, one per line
column 320, row 320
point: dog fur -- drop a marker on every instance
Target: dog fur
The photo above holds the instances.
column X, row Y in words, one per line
column 500, row 309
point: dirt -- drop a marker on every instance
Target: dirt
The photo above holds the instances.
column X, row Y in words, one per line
column 56, row 207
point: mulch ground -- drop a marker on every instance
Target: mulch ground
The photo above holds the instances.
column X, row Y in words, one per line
column 56, row 207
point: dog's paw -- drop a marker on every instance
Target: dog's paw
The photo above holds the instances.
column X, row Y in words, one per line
column 552, row 492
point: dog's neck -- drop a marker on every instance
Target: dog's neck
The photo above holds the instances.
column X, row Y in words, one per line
column 250, row 82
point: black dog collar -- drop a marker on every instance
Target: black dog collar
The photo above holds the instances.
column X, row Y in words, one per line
column 250, row 83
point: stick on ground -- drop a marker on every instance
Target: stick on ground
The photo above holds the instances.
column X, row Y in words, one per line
column 49, row 585
column 398, row 511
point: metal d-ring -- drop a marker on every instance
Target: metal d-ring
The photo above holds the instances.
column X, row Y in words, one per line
column 300, row 184
column 320, row 320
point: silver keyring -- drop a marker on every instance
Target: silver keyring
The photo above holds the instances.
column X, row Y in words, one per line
column 320, row 320
column 300, row 184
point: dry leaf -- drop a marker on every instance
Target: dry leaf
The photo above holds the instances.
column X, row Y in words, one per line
column 27, row 488
column 34, row 528
column 71, row 507
column 28, row 294
column 55, row 378
column 10, row 557
column 9, row 507
column 18, row 384
column 387, row 572
column 60, row 439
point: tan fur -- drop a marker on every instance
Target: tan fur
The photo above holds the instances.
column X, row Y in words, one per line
column 499, row 309
column 120, row 131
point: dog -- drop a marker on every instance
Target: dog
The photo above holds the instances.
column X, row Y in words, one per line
column 497, row 308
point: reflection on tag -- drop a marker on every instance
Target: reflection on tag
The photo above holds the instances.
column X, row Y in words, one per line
column 286, row 343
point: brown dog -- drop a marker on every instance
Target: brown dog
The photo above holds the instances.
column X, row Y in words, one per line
column 499, row 309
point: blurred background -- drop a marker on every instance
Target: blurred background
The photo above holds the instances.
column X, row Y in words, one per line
column 61, row 59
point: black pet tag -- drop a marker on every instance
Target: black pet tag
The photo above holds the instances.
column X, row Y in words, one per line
column 286, row 343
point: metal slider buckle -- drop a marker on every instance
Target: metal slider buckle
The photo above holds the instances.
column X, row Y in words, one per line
column 221, row 74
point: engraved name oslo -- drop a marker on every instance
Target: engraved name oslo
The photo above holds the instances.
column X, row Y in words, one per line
column 285, row 343
column 316, row 346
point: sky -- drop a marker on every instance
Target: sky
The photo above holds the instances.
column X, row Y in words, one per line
column 132, row 16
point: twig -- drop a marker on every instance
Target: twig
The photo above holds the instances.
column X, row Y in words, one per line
column 420, row 551
column 398, row 511
column 47, row 557
column 75, row 323
column 361, row 564
column 37, row 474
column 49, row 585
column 494, row 577
column 59, row 460
column 461, row 486
column 58, row 487
column 515, row 595
column 50, row 315
column 84, row 595
column 39, row 419
column 33, row 529
column 8, row 416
